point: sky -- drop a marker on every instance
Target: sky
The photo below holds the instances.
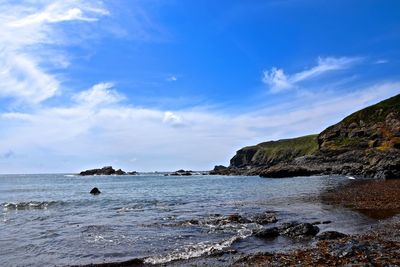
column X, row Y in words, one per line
column 164, row 85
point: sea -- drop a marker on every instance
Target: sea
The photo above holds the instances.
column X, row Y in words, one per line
column 52, row 220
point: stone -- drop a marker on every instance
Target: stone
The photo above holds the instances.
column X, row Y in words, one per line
column 95, row 191
column 330, row 235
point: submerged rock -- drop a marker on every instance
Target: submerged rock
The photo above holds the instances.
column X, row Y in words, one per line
column 265, row 218
column 299, row 230
column 95, row 191
column 268, row 233
column 330, row 235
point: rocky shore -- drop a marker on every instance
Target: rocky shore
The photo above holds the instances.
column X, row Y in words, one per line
column 379, row 246
column 364, row 144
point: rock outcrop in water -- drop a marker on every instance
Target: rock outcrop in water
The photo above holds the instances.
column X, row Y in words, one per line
column 366, row 143
column 95, row 191
column 108, row 170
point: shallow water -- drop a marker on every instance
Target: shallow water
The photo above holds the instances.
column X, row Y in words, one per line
column 52, row 219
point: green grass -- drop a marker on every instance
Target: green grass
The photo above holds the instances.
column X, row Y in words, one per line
column 374, row 113
column 284, row 149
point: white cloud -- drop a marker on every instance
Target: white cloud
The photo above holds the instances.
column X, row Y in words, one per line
column 89, row 135
column 25, row 29
column 172, row 78
column 381, row 61
column 278, row 81
column 173, row 119
column 99, row 94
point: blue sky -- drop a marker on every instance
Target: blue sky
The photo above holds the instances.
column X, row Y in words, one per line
column 164, row 85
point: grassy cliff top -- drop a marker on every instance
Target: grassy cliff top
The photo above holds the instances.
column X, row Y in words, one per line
column 374, row 113
column 307, row 144
column 275, row 151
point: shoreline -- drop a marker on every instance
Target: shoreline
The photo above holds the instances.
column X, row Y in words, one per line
column 379, row 245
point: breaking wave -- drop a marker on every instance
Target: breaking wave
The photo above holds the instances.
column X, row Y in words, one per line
column 29, row 205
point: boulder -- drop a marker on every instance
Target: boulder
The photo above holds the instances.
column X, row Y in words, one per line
column 95, row 191
column 268, row 233
column 265, row 218
column 299, row 230
column 330, row 235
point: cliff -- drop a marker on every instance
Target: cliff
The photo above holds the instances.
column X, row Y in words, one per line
column 273, row 152
column 365, row 143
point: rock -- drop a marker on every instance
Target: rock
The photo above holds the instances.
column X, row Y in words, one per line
column 265, row 218
column 283, row 170
column 108, row 170
column 326, row 222
column 268, row 233
column 95, row 191
column 236, row 218
column 132, row 173
column 364, row 144
column 120, row 172
column 181, row 173
column 219, row 170
column 330, row 235
column 299, row 230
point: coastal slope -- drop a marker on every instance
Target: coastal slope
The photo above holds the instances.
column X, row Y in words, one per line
column 365, row 143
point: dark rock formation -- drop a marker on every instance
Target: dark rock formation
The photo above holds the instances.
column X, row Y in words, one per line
column 299, row 230
column 108, row 170
column 329, row 235
column 181, row 173
column 95, row 191
column 364, row 144
column 293, row 230
column 120, row 172
column 268, row 233
column 265, row 218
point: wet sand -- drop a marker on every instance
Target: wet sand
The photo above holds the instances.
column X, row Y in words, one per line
column 376, row 199
column 379, row 246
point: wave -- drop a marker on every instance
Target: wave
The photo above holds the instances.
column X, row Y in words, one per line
column 199, row 249
column 29, row 205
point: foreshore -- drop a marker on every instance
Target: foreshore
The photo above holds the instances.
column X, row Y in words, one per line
column 377, row 246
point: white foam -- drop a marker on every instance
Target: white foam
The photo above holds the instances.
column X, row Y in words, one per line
column 199, row 249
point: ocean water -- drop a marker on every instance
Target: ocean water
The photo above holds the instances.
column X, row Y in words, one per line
column 51, row 219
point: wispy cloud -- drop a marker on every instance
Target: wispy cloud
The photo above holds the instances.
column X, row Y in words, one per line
column 99, row 94
column 26, row 29
column 172, row 78
column 381, row 61
column 278, row 81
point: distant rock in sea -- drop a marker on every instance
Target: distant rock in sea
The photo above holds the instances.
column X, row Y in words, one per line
column 107, row 170
column 181, row 173
column 95, row 191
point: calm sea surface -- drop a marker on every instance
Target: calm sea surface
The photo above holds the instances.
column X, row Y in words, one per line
column 52, row 219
